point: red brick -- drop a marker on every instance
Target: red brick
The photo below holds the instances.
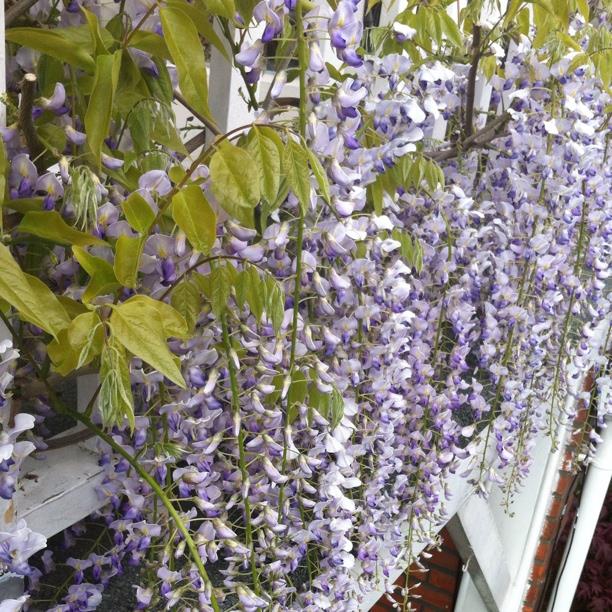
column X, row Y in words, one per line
column 538, row 571
column 543, row 552
column 550, row 529
column 530, row 599
column 565, row 481
column 445, row 559
column 435, row 597
column 556, row 507
column 443, row 581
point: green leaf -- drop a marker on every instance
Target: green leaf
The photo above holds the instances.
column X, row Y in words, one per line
column 50, row 225
column 329, row 405
column 187, row 53
column 54, row 43
column 138, row 213
column 96, row 35
column 411, row 249
column 186, row 299
column 451, row 29
column 100, row 108
column 298, row 389
column 102, row 276
column 217, row 286
column 55, row 314
column 194, row 215
column 250, row 288
column 139, row 327
column 150, row 43
column 128, row 251
column 173, row 322
column 115, row 400
column 235, row 182
column 376, row 190
column 265, row 148
column 200, row 14
column 336, row 408
column 79, row 344
column 221, row 8
column 275, row 302
column 583, row 7
column 298, row 173
column 320, row 174
column 33, row 300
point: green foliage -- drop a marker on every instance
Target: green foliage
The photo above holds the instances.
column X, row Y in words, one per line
column 51, row 226
column 56, row 43
column 187, row 53
column 194, row 215
column 138, row 213
column 187, row 300
column 266, row 149
column 235, row 182
column 32, row 299
column 128, row 251
column 252, row 287
column 78, row 344
column 298, row 172
column 142, row 326
column 115, row 401
column 102, row 279
column 100, row 108
column 304, row 390
column 410, row 249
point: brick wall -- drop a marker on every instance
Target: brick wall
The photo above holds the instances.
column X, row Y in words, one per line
column 439, row 586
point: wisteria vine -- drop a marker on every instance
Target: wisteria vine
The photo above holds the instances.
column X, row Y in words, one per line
column 304, row 327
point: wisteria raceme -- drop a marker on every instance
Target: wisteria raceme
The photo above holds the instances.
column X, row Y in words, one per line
column 434, row 298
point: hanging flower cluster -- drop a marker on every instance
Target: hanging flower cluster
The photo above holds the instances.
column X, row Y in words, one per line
column 303, row 334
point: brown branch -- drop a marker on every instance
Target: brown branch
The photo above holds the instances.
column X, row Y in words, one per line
column 471, row 86
column 494, row 129
column 28, row 92
column 207, row 122
column 18, row 9
column 69, row 439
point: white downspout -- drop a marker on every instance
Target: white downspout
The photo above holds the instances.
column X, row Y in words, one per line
column 593, row 495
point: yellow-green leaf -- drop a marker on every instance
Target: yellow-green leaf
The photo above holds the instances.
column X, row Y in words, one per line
column 54, row 43
column 140, row 330
column 50, row 225
column 32, row 299
column 102, row 276
column 78, row 344
column 173, row 322
column 138, row 213
column 187, row 53
column 127, row 259
column 100, row 107
column 298, row 172
column 320, row 174
column 96, row 35
column 235, row 182
column 265, row 147
column 194, row 215
column 186, row 299
column 115, row 400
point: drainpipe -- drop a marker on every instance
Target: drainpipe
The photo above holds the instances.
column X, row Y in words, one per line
column 593, row 496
